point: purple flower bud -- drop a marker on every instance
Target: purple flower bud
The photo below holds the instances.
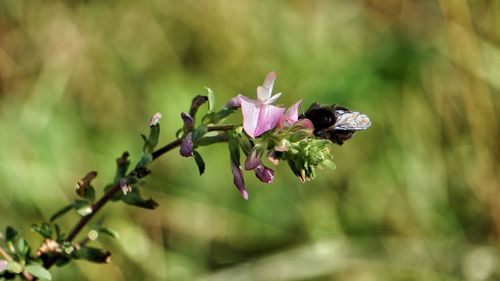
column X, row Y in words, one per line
column 264, row 174
column 187, row 146
column 234, row 102
column 188, row 121
column 238, row 180
column 253, row 159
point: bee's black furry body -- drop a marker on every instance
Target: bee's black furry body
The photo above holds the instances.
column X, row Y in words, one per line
column 335, row 122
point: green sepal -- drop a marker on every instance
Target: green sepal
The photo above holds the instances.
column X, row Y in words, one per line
column 38, row 271
column 199, row 162
column 134, row 198
column 92, row 254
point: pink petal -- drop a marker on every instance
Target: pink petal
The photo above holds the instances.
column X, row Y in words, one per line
column 273, row 98
column 306, row 123
column 268, row 117
column 292, row 114
column 269, row 81
column 263, row 94
column 251, row 112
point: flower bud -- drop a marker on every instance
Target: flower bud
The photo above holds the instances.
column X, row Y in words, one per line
column 253, row 159
column 238, row 180
column 233, row 102
column 155, row 119
column 188, row 121
column 264, row 174
column 187, row 146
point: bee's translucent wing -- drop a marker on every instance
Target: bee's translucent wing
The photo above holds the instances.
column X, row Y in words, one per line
column 351, row 121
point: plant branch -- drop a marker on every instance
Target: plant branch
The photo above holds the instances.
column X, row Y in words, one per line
column 116, row 188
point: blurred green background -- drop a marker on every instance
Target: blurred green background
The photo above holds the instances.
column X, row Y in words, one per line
column 415, row 197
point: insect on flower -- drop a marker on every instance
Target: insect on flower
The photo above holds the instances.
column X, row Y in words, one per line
column 335, row 122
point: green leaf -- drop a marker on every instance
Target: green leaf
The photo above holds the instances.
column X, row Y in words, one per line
column 82, row 207
column 234, row 148
column 10, row 233
column 211, row 99
column 59, row 233
column 61, row 212
column 145, row 160
column 92, row 254
column 212, row 139
column 134, row 198
column 22, row 247
column 199, row 132
column 216, row 117
column 38, row 271
column 109, row 232
column 45, row 229
column 199, row 162
column 14, row 267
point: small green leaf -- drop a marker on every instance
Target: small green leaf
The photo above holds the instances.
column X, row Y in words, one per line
column 61, row 212
column 212, row 139
column 145, row 160
column 92, row 254
column 134, row 198
column 10, row 233
column 211, row 99
column 82, row 207
column 216, row 117
column 59, row 233
column 22, row 247
column 199, row 132
column 199, row 162
column 38, row 271
column 234, row 148
column 109, row 232
column 14, row 267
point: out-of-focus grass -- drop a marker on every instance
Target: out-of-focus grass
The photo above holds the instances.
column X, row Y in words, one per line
column 415, row 197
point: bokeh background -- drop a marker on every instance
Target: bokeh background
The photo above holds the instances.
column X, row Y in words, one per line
column 415, row 197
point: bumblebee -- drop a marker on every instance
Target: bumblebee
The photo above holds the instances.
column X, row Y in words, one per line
column 335, row 122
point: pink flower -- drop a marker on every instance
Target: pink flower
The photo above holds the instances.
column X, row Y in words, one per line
column 259, row 116
column 291, row 115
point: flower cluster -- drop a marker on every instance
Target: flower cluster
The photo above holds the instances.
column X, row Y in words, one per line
column 278, row 133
